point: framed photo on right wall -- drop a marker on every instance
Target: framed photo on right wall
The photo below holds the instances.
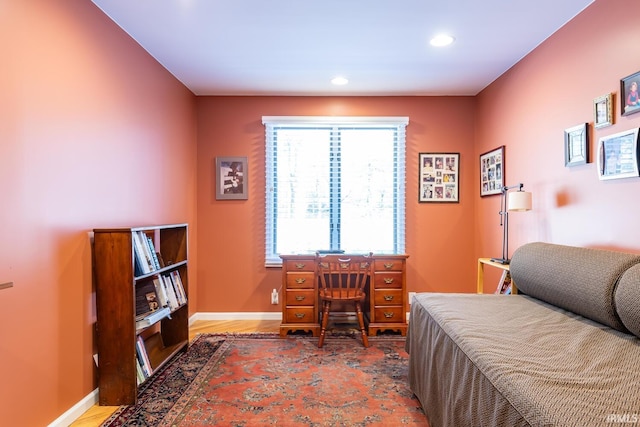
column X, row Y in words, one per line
column 492, row 171
column 618, row 155
column 576, row 145
column 603, row 111
column 629, row 95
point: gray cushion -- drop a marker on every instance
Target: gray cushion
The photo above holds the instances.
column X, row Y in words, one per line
column 627, row 299
column 581, row 280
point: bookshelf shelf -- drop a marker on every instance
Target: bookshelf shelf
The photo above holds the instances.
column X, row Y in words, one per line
column 137, row 272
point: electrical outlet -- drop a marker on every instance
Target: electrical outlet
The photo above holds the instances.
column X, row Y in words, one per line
column 411, row 295
column 274, row 297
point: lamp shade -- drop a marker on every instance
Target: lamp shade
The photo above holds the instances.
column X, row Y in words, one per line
column 519, row 201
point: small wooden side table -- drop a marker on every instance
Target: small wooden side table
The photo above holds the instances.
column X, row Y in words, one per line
column 487, row 261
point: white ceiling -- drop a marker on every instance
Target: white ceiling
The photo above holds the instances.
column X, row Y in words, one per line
column 295, row 47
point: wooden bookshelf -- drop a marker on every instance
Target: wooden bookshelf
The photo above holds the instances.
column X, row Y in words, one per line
column 117, row 280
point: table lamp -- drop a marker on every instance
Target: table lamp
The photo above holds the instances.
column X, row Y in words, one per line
column 518, row 201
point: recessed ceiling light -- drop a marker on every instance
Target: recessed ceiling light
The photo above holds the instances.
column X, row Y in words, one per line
column 339, row 81
column 441, row 40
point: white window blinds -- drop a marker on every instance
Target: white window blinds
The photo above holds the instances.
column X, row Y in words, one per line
column 334, row 183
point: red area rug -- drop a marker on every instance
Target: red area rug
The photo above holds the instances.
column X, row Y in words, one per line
column 261, row 379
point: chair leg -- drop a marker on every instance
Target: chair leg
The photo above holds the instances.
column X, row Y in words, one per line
column 365, row 339
column 326, row 306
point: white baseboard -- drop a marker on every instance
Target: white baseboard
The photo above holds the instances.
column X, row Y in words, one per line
column 76, row 411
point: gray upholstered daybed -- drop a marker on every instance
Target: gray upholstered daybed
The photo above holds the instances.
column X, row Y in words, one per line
column 563, row 352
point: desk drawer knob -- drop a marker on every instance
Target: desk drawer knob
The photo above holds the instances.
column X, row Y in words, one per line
column 299, row 265
column 388, row 297
column 388, row 280
column 300, row 280
column 299, row 315
column 388, row 315
column 388, row 265
column 300, row 298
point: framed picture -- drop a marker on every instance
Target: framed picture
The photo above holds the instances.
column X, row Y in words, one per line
column 618, row 155
column 629, row 97
column 603, row 111
column 492, row 172
column 439, row 177
column 231, row 178
column 576, row 145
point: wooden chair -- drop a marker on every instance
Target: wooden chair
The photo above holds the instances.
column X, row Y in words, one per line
column 343, row 278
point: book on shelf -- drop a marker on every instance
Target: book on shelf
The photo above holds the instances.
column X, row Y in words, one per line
column 177, row 282
column 160, row 260
column 137, row 267
column 172, row 298
column 144, row 240
column 140, row 253
column 160, row 291
column 141, row 352
column 504, row 286
column 152, row 251
column 139, row 373
column 146, row 298
column 153, row 317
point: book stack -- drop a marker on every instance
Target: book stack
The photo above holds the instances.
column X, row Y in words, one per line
column 143, row 364
column 164, row 289
column 157, row 293
column 147, row 260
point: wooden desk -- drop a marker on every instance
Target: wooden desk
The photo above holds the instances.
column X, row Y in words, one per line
column 385, row 307
column 487, row 261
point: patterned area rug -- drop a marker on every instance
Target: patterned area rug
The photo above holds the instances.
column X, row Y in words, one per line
column 261, row 379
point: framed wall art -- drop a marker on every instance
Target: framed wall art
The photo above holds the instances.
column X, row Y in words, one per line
column 492, row 172
column 603, row 111
column 231, row 178
column 629, row 96
column 576, row 145
column 618, row 155
column 439, row 177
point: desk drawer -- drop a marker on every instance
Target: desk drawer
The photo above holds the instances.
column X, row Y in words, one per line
column 387, row 279
column 300, row 315
column 387, row 297
column 388, row 265
column 300, row 297
column 301, row 265
column 300, row 280
column 388, row 314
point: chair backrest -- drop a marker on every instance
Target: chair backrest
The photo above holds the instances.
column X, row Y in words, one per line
column 343, row 275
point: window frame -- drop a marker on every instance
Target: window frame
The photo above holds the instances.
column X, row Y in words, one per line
column 272, row 259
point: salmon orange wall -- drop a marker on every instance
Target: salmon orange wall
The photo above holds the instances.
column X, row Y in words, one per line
column 93, row 133
column 232, row 276
column 527, row 110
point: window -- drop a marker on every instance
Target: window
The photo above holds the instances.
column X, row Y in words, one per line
column 334, row 183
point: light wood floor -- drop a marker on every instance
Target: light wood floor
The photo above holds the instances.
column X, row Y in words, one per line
column 97, row 414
